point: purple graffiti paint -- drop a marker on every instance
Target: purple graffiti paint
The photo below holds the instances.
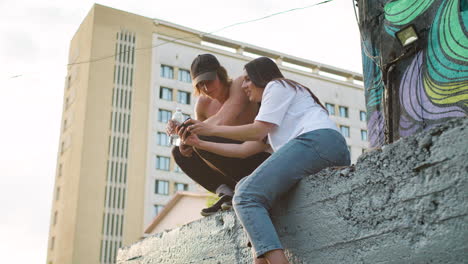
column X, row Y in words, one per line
column 418, row 111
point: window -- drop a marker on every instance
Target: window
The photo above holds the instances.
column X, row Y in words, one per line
column 183, row 97
column 184, row 76
column 180, row 186
column 60, row 170
column 163, row 139
column 162, row 163
column 330, row 108
column 164, row 115
column 161, row 187
column 344, row 131
column 165, row 93
column 362, row 116
column 68, row 82
column 64, row 125
column 167, row 72
column 343, row 111
column 57, row 194
column 186, row 116
column 178, row 169
column 54, row 222
column 158, row 208
column 52, row 243
column 363, row 135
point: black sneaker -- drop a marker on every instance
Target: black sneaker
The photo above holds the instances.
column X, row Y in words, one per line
column 217, row 206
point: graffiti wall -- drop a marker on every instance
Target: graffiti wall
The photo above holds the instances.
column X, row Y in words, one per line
column 412, row 88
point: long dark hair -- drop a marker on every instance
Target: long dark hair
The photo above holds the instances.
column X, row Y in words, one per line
column 263, row 70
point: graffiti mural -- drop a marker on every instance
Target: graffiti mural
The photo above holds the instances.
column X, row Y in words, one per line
column 373, row 93
column 429, row 80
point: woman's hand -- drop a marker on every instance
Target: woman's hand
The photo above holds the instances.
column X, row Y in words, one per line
column 186, row 150
column 192, row 140
column 200, row 128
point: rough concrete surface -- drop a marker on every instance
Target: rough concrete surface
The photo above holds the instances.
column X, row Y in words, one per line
column 405, row 203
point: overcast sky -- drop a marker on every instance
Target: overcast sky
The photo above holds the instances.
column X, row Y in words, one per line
column 34, row 42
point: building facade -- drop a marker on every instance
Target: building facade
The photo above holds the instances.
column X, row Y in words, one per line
column 183, row 208
column 126, row 75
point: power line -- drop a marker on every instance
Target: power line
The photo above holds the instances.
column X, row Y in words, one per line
column 362, row 37
column 185, row 38
column 204, row 34
column 271, row 15
column 364, row 46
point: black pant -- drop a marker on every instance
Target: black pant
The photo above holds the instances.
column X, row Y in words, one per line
column 233, row 169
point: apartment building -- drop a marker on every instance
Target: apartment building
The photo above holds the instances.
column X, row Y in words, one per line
column 126, row 75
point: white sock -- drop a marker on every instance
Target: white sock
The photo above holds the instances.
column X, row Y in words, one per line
column 223, row 189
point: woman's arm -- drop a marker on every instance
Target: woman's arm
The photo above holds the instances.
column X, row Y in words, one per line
column 243, row 150
column 250, row 132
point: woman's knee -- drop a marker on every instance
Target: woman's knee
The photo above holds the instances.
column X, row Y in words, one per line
column 249, row 196
column 238, row 198
column 240, row 183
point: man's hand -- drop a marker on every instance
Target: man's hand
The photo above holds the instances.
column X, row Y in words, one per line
column 186, row 150
column 182, row 129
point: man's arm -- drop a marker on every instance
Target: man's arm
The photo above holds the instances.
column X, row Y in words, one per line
column 233, row 107
column 201, row 108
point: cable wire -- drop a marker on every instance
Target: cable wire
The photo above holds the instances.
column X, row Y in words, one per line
column 204, row 34
column 186, row 38
column 364, row 48
column 362, row 37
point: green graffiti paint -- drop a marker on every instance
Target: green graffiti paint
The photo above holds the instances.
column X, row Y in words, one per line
column 402, row 12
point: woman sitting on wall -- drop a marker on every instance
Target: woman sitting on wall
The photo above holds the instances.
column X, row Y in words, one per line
column 303, row 138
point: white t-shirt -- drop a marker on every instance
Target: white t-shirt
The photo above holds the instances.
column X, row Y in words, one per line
column 293, row 111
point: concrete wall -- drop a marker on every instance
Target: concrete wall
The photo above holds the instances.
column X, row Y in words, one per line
column 406, row 203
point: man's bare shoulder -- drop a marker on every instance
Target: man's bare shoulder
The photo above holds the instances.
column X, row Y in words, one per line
column 206, row 107
column 202, row 106
column 204, row 100
column 236, row 84
column 236, row 93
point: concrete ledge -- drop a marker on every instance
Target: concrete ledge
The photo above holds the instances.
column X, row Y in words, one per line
column 406, row 203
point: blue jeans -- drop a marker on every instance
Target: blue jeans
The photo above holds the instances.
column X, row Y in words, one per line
column 255, row 194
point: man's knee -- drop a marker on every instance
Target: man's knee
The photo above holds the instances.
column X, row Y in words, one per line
column 219, row 140
column 176, row 153
column 203, row 153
